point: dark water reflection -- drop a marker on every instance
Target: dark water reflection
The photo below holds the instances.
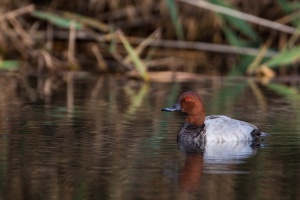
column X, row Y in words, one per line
column 108, row 139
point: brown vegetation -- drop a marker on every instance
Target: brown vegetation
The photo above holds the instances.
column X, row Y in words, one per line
column 214, row 38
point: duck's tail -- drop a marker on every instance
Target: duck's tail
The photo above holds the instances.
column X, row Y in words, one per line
column 258, row 134
column 263, row 134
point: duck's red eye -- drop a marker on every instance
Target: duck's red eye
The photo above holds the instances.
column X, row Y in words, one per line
column 187, row 99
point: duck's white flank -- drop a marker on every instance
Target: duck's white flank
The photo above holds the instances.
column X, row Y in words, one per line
column 221, row 128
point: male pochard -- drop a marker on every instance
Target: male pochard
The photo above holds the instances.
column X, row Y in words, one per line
column 218, row 128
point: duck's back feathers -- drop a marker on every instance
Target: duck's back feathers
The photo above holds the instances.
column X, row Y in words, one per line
column 222, row 128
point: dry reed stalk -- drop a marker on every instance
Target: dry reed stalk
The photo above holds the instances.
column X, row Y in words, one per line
column 49, row 35
column 109, row 37
column 169, row 76
column 91, row 34
column 292, row 41
column 70, row 93
column 242, row 15
column 164, row 61
column 120, row 59
column 18, row 12
column 71, row 46
column 22, row 33
column 47, row 89
column 154, row 36
column 220, row 48
column 91, row 22
column 288, row 18
column 3, row 40
column 255, row 63
column 96, row 90
column 8, row 31
column 47, row 58
column 258, row 94
column 14, row 32
column 51, row 62
column 101, row 62
column 209, row 47
column 139, row 65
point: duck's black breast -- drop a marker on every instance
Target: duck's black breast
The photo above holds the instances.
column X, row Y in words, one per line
column 191, row 139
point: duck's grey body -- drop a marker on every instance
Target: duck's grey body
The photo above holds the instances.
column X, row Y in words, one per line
column 219, row 128
column 218, row 135
column 222, row 128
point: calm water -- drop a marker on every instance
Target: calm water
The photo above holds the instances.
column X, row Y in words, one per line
column 107, row 139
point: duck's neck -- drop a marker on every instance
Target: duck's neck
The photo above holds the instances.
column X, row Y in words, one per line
column 196, row 119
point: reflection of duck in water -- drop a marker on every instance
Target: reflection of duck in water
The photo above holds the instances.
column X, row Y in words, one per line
column 199, row 129
column 191, row 173
column 215, row 158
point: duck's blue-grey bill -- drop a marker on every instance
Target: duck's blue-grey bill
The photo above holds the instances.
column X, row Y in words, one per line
column 176, row 107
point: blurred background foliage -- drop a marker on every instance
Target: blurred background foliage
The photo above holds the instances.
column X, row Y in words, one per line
column 48, row 46
column 136, row 38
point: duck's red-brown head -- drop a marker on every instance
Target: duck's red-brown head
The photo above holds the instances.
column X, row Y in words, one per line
column 190, row 103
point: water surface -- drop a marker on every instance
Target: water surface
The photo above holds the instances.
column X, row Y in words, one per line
column 108, row 139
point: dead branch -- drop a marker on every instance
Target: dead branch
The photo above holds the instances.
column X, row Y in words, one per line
column 18, row 12
column 242, row 15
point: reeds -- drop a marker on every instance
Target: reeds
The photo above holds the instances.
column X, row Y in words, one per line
column 124, row 32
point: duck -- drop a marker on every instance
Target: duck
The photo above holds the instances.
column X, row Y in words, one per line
column 199, row 129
